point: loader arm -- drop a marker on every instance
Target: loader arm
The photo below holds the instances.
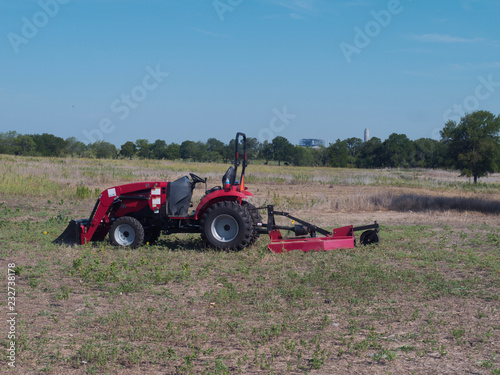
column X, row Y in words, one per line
column 108, row 197
column 83, row 231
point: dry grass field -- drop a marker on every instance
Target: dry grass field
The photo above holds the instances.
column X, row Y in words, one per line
column 425, row 300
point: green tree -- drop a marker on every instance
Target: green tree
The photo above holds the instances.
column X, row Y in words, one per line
column 214, row 146
column 143, row 148
column 104, row 150
column 354, row 146
column 398, row 151
column 473, row 145
column 338, row 154
column 428, row 153
column 7, row 141
column 212, row 157
column 173, row 151
column 24, row 145
column 188, row 150
column 49, row 145
column 302, row 156
column 201, row 153
column 282, row 149
column 370, row 155
column 266, row 152
column 320, row 156
column 253, row 148
column 128, row 149
column 229, row 151
column 159, row 149
column 74, row 147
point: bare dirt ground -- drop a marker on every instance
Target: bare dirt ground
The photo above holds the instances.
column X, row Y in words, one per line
column 424, row 301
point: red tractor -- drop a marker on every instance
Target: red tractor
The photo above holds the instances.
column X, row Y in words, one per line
column 138, row 213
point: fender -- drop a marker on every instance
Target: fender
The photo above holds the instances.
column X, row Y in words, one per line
column 232, row 194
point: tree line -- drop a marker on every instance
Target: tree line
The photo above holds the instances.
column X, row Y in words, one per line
column 471, row 146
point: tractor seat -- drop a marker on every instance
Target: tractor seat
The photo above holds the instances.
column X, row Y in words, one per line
column 230, row 176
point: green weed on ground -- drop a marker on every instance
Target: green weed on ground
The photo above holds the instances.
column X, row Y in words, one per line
column 427, row 294
column 176, row 305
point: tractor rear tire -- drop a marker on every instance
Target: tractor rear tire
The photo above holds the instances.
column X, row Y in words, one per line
column 126, row 231
column 256, row 219
column 226, row 225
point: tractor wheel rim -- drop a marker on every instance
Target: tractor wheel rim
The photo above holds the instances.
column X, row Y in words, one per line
column 124, row 235
column 225, row 228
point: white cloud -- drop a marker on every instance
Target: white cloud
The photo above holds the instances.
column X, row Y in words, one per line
column 417, row 50
column 298, row 9
column 468, row 5
column 352, row 3
column 416, row 73
column 295, row 16
column 298, row 5
column 294, row 5
column 444, row 38
column 471, row 66
column 210, row 33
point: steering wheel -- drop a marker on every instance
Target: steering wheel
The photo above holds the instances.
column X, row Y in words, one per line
column 196, row 178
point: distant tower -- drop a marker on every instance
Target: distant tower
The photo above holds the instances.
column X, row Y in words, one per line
column 367, row 135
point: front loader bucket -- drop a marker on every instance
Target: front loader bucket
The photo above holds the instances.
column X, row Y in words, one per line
column 72, row 234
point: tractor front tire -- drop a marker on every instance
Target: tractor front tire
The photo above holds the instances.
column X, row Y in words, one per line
column 126, row 231
column 226, row 225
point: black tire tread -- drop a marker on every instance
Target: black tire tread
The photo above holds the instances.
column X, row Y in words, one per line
column 256, row 219
column 240, row 211
column 365, row 239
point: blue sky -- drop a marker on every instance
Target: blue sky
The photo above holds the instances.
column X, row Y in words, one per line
column 122, row 70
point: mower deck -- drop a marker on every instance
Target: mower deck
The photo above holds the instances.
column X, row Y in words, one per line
column 342, row 238
column 339, row 238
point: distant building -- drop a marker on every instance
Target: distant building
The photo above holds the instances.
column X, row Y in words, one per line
column 367, row 135
column 313, row 143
